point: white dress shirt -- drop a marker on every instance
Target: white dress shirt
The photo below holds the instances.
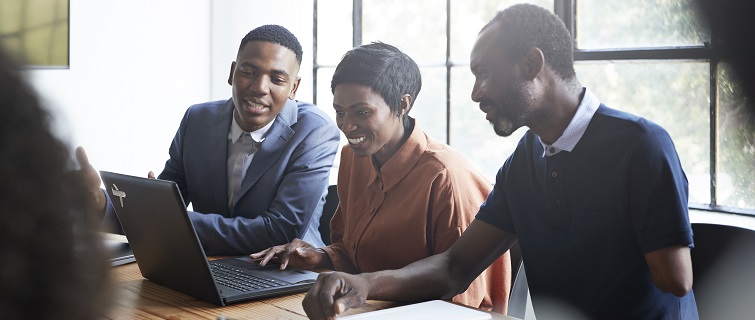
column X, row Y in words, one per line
column 242, row 146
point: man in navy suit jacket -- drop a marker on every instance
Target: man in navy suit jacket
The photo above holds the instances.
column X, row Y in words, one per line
column 249, row 195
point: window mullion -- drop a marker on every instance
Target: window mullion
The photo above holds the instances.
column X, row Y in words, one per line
column 565, row 10
column 314, row 53
column 713, row 130
column 714, row 61
column 356, row 16
column 448, row 72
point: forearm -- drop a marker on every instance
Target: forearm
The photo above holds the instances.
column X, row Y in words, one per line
column 426, row 279
column 671, row 269
column 447, row 274
column 240, row 235
column 439, row 276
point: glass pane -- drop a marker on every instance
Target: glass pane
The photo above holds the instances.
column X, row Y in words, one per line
column 36, row 30
column 640, row 23
column 736, row 144
column 325, row 102
column 671, row 94
column 334, row 31
column 430, row 107
column 471, row 134
column 468, row 17
column 324, row 95
column 417, row 27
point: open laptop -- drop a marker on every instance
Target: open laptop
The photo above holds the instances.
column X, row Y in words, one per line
column 168, row 252
column 117, row 248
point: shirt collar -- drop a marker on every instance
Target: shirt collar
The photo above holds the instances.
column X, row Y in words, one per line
column 576, row 128
column 235, row 133
column 403, row 161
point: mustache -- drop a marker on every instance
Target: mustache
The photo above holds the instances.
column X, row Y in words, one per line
column 485, row 103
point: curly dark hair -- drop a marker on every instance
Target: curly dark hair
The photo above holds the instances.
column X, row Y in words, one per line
column 275, row 34
column 526, row 26
column 384, row 69
column 53, row 265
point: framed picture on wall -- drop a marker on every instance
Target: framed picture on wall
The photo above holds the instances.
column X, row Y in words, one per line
column 36, row 30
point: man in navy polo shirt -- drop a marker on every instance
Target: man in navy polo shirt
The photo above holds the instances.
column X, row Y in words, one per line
column 596, row 197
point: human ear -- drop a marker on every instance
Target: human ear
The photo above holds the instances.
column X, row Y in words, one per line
column 532, row 63
column 230, row 75
column 405, row 104
column 292, row 94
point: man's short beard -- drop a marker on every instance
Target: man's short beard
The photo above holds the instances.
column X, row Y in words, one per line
column 506, row 123
column 503, row 127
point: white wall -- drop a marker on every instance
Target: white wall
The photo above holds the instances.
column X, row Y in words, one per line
column 135, row 66
column 232, row 19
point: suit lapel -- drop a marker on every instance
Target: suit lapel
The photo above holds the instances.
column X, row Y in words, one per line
column 217, row 156
column 275, row 143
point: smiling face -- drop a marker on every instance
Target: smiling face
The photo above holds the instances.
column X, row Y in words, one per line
column 367, row 121
column 504, row 96
column 263, row 78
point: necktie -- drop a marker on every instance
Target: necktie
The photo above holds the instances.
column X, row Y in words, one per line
column 248, row 148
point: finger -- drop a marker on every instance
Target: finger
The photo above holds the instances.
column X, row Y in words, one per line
column 291, row 250
column 311, row 303
column 285, row 255
column 320, row 298
column 352, row 299
column 339, row 307
column 82, row 158
column 151, row 175
column 257, row 255
column 330, row 288
column 269, row 255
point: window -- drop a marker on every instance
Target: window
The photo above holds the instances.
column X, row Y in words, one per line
column 36, row 30
column 657, row 67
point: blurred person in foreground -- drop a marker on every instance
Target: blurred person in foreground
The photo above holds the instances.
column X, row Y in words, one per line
column 402, row 195
column 53, row 266
column 596, row 197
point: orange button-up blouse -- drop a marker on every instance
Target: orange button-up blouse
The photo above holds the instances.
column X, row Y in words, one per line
column 415, row 206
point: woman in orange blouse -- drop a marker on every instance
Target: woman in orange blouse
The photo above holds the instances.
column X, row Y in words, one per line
column 402, row 195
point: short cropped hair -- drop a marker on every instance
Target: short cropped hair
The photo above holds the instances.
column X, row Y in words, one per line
column 526, row 26
column 275, row 34
column 384, row 69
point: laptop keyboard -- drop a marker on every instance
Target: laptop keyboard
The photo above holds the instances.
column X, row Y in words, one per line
column 237, row 279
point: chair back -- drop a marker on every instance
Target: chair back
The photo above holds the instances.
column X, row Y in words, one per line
column 328, row 209
column 723, row 266
column 518, row 295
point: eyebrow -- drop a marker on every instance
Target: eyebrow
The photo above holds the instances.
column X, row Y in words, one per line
column 358, row 104
column 274, row 71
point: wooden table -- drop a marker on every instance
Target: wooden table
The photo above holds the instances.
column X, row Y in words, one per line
column 139, row 298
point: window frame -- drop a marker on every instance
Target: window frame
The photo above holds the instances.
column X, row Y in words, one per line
column 566, row 10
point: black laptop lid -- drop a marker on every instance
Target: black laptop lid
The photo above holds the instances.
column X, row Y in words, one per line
column 165, row 244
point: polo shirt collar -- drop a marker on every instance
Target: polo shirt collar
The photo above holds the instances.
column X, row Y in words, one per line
column 576, row 128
